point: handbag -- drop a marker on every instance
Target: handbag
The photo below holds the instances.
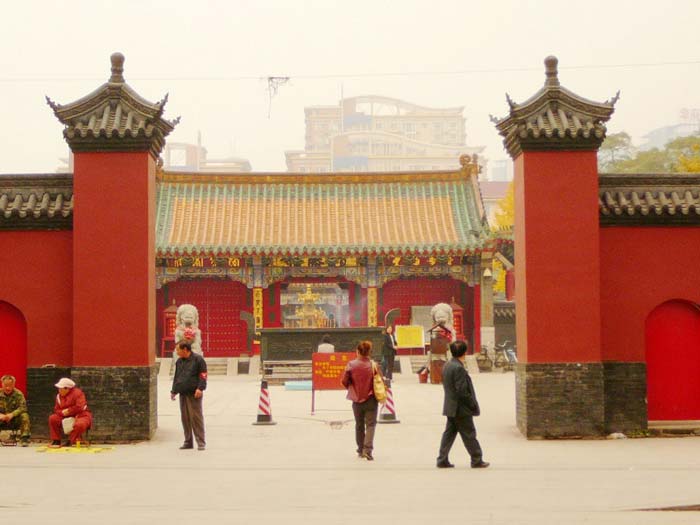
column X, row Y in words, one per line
column 378, row 386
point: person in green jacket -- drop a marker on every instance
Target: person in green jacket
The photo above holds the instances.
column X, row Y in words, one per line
column 13, row 410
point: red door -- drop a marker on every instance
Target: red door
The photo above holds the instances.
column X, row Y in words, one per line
column 673, row 361
column 13, row 344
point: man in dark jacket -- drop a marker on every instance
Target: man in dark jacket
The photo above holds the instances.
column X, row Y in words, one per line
column 190, row 381
column 460, row 407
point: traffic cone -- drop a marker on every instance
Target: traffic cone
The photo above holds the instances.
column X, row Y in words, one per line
column 264, row 410
column 388, row 416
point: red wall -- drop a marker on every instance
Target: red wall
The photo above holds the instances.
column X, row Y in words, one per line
column 642, row 268
column 557, row 257
column 114, row 259
column 37, row 279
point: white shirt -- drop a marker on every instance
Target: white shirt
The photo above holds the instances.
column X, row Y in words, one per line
column 326, row 348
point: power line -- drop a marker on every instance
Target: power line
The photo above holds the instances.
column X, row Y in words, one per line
column 385, row 74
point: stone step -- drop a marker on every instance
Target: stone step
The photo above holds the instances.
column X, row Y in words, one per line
column 418, row 362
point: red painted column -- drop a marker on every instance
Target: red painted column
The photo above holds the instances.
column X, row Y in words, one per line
column 553, row 138
column 115, row 136
column 114, row 259
column 557, row 257
column 510, row 285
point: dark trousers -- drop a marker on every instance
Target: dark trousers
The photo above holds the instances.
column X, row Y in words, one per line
column 388, row 366
column 192, row 418
column 464, row 426
column 19, row 423
column 365, row 423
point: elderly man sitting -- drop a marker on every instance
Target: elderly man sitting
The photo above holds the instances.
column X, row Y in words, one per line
column 70, row 404
column 13, row 410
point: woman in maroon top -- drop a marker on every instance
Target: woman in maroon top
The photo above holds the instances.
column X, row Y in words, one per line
column 357, row 378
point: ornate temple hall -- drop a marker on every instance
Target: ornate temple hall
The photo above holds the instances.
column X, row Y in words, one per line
column 319, row 251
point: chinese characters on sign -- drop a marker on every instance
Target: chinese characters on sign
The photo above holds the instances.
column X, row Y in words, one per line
column 201, row 262
column 327, row 370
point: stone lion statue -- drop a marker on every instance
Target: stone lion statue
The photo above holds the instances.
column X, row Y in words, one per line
column 187, row 320
column 442, row 316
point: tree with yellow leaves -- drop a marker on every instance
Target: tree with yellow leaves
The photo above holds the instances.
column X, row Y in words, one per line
column 505, row 215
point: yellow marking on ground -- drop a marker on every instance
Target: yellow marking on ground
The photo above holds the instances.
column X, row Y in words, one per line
column 75, row 450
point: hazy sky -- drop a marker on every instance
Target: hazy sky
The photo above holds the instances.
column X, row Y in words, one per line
column 210, row 56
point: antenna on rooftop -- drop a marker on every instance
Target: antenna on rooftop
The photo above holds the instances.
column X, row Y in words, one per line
column 273, row 85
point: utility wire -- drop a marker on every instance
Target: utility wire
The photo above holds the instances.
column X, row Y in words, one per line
column 385, row 74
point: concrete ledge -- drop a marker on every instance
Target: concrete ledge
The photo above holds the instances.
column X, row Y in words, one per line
column 689, row 425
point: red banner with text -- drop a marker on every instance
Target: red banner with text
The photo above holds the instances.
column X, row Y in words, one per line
column 327, row 369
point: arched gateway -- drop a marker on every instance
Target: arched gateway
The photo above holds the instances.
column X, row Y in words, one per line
column 595, row 254
column 673, row 361
column 13, row 348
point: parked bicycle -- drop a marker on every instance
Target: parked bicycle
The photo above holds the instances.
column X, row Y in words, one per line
column 505, row 355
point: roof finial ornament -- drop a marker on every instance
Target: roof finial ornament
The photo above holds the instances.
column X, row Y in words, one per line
column 117, row 68
column 470, row 164
column 614, row 100
column 550, row 64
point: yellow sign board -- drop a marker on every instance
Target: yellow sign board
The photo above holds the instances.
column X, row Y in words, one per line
column 410, row 336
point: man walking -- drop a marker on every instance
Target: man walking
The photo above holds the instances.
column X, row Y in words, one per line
column 460, row 407
column 190, row 381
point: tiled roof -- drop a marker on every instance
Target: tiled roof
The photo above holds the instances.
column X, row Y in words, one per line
column 114, row 118
column 649, row 199
column 554, row 118
column 279, row 214
column 36, row 201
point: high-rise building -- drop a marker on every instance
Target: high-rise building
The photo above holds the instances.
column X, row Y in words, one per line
column 372, row 133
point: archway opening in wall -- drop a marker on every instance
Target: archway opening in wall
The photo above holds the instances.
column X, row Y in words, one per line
column 13, row 348
column 672, row 334
column 219, row 303
column 409, row 294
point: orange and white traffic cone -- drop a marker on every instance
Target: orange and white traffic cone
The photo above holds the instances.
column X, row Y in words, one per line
column 387, row 414
column 264, row 409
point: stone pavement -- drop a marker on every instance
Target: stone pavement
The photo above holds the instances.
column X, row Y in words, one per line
column 304, row 470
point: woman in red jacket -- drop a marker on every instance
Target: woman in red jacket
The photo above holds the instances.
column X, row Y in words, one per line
column 70, row 402
column 357, row 378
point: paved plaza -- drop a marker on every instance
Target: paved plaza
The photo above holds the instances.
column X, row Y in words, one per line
column 304, row 469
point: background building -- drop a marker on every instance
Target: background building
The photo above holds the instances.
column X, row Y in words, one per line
column 180, row 156
column 372, row 133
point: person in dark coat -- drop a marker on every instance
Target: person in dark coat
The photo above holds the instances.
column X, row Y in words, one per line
column 460, row 407
column 388, row 352
column 189, row 382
